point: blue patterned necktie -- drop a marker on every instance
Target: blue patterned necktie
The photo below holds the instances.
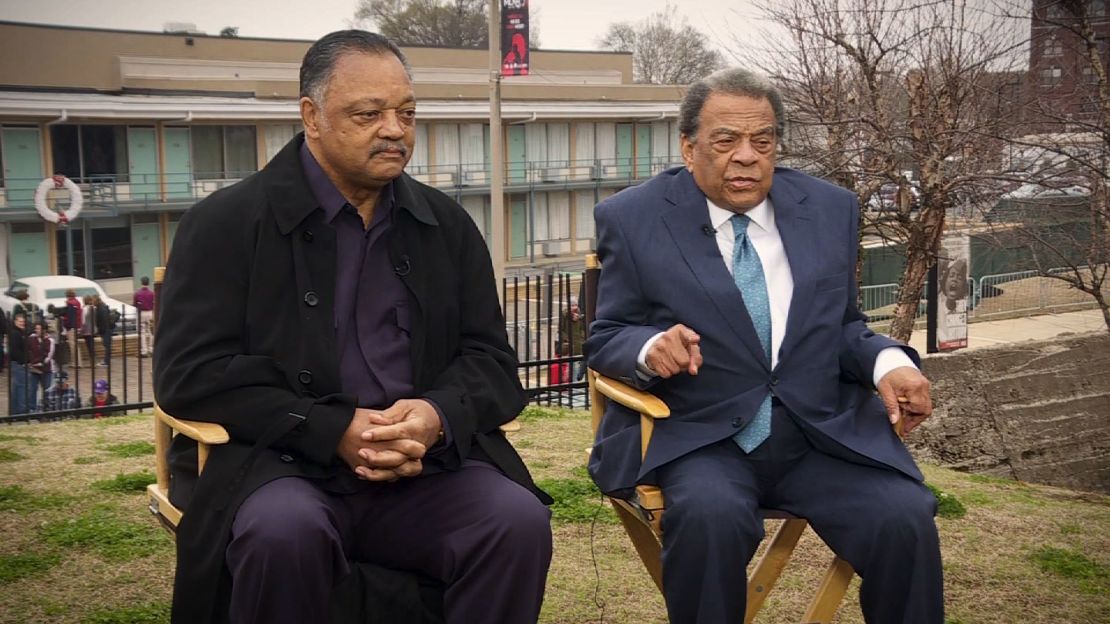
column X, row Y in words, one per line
column 747, row 271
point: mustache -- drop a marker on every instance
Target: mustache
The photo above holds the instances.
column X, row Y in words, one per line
column 385, row 146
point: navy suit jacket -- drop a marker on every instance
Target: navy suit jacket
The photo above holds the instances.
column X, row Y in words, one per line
column 660, row 267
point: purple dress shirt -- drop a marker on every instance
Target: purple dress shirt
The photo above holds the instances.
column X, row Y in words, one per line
column 372, row 316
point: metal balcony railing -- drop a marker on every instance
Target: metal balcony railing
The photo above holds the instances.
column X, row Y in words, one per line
column 138, row 191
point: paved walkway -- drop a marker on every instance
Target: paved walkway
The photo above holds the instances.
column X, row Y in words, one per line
column 990, row 333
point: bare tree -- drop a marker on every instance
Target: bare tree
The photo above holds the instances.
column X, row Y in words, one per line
column 434, row 23
column 897, row 100
column 1062, row 211
column 438, row 23
column 665, row 48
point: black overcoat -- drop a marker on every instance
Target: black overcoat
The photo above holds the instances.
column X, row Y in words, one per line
column 246, row 338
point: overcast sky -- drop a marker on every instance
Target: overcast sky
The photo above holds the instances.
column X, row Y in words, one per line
column 563, row 24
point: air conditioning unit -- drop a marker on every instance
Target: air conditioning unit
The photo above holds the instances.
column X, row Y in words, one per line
column 580, row 173
column 442, row 178
column 605, row 171
column 479, row 178
column 555, row 174
column 551, row 250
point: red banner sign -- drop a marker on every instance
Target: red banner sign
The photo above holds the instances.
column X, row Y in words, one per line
column 514, row 37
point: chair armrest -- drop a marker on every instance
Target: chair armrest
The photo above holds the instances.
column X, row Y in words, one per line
column 636, row 400
column 206, row 434
column 203, row 432
column 646, row 404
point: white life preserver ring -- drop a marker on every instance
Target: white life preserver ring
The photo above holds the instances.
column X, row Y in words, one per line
column 76, row 199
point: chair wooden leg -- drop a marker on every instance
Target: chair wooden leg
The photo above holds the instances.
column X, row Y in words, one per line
column 771, row 564
column 830, row 593
column 646, row 542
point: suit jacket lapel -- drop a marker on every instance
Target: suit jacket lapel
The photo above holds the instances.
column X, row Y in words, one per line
column 799, row 240
column 686, row 221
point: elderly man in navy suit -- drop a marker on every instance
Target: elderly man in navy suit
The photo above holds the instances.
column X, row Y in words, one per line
column 728, row 289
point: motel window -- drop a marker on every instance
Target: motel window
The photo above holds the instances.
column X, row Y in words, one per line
column 111, row 252
column 584, row 143
column 558, row 143
column 419, row 157
column 103, row 244
column 224, row 152
column 584, row 214
column 552, row 216
column 1051, row 76
column 1053, row 47
column 93, row 151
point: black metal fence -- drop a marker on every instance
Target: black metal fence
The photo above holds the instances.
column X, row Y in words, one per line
column 543, row 318
column 64, row 385
column 545, row 321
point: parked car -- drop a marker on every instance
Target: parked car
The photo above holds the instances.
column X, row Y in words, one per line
column 50, row 290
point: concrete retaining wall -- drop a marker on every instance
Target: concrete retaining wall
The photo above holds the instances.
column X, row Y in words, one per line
column 1036, row 411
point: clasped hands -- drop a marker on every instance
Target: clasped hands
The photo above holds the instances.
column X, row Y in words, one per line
column 389, row 444
column 904, row 390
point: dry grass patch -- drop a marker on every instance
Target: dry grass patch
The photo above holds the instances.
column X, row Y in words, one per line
column 97, row 558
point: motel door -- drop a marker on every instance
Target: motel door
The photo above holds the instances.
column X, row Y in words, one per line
column 515, row 156
column 643, row 151
column 27, row 254
column 179, row 166
column 22, row 166
column 518, row 226
column 624, row 150
column 142, row 152
column 146, row 250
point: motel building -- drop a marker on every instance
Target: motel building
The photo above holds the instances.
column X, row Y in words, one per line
column 145, row 124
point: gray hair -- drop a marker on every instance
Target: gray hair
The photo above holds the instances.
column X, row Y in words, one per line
column 319, row 62
column 729, row 81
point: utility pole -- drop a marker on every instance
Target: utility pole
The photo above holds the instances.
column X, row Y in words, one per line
column 498, row 231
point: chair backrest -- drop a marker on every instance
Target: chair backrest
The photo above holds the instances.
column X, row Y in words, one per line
column 589, row 311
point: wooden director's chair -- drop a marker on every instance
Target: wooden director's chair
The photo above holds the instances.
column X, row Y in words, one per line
column 642, row 517
column 367, row 590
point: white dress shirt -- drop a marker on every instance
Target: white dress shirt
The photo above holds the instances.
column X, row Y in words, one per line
column 764, row 237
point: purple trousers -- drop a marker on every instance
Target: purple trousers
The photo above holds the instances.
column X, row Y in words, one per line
column 485, row 537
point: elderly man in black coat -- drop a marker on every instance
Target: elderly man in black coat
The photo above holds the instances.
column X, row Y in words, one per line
column 341, row 321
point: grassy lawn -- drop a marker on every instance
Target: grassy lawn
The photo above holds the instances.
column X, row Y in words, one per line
column 78, row 545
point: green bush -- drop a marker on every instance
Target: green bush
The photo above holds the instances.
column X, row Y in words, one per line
column 948, row 506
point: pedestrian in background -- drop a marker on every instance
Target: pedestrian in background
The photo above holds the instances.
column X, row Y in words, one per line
column 144, row 303
column 102, row 396
column 60, row 396
column 4, row 325
column 17, row 355
column 26, row 308
column 88, row 328
column 572, row 333
column 71, row 321
column 40, row 363
column 104, row 327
